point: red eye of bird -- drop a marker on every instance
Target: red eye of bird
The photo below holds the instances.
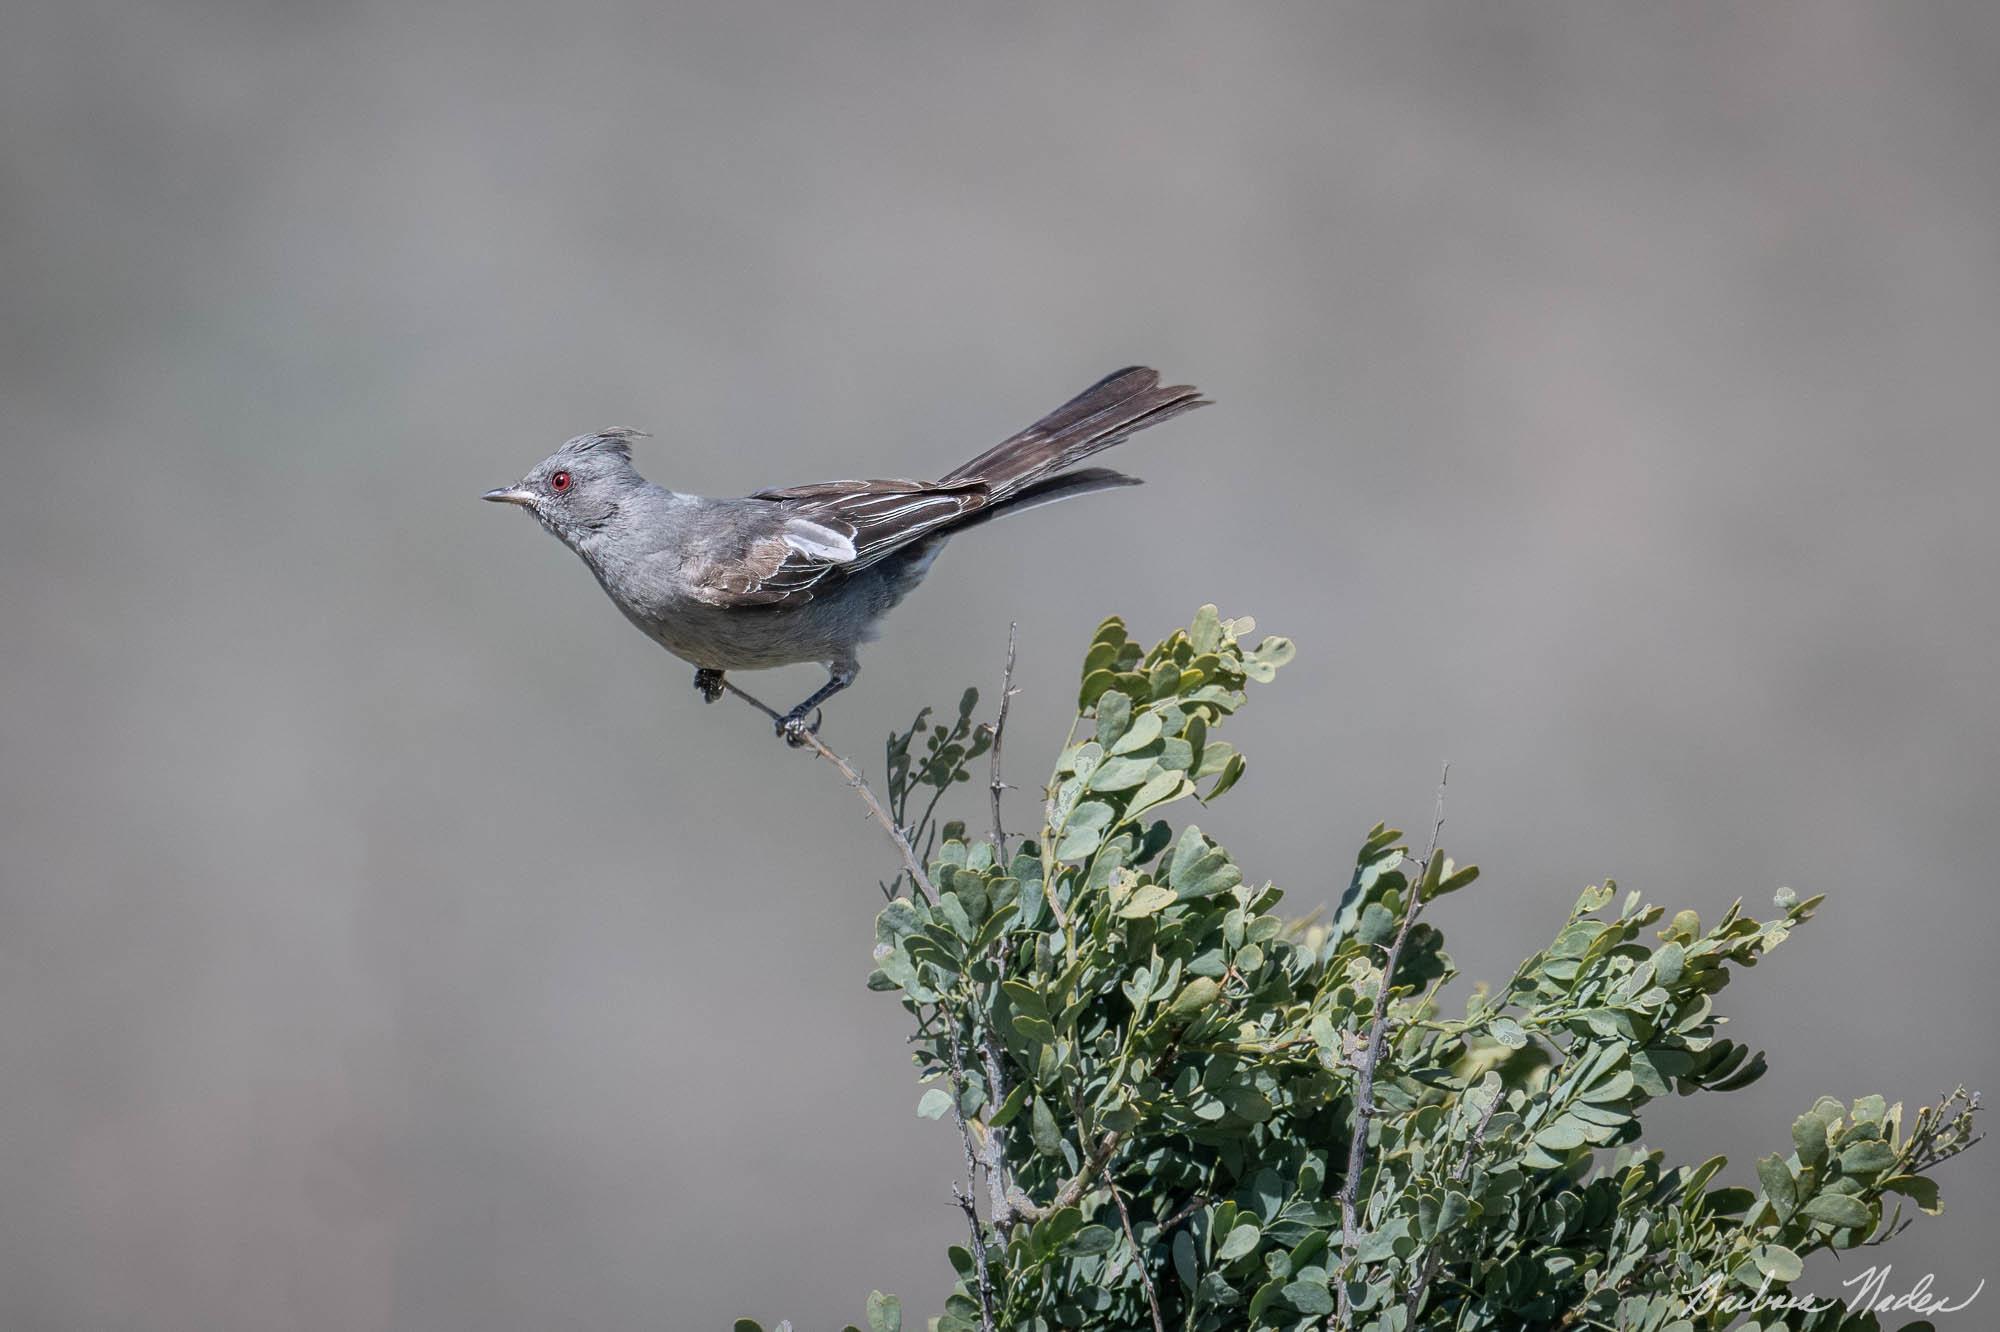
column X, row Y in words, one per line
column 559, row 482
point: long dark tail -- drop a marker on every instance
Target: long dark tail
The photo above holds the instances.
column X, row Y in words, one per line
column 1048, row 490
column 1109, row 411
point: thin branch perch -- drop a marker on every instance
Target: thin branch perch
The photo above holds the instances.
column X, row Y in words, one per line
column 995, row 785
column 911, row 862
column 988, row 1154
column 1366, row 1062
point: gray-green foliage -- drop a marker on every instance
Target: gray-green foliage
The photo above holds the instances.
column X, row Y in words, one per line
column 1115, row 1004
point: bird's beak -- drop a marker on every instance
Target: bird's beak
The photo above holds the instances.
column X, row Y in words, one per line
column 509, row 495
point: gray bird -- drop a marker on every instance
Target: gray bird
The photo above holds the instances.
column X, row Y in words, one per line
column 807, row 573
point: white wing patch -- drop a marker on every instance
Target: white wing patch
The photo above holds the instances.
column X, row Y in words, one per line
column 819, row 542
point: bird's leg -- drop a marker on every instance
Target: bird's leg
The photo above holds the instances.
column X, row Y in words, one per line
column 793, row 727
column 709, row 684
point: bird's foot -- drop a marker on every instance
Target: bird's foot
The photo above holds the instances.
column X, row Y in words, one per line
column 793, row 728
column 709, row 684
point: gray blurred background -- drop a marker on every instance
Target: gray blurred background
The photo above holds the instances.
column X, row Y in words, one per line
column 388, row 937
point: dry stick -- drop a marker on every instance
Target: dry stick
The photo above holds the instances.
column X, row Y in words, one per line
column 1371, row 1055
column 999, row 731
column 1138, row 1259
column 922, row 881
column 965, row 1195
column 854, row 779
column 1017, row 1205
column 993, row 1152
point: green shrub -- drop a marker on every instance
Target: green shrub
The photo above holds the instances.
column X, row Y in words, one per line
column 1181, row 1109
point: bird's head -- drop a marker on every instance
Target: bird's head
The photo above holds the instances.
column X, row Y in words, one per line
column 578, row 489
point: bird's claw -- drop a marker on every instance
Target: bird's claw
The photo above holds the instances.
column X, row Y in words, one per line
column 793, row 728
column 709, row 685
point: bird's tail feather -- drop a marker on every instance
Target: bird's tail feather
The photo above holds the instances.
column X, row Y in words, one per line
column 1108, row 412
column 1049, row 490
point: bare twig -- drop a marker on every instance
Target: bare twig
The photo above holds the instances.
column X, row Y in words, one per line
column 1138, row 1259
column 1365, row 1065
column 998, row 1174
column 994, row 784
column 964, row 1195
column 911, row 862
column 753, row 700
column 989, row 1153
column 993, row 1152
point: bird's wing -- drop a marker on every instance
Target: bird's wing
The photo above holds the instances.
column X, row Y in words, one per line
column 816, row 534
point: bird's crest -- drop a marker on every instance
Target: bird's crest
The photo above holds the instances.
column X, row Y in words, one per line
column 617, row 441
